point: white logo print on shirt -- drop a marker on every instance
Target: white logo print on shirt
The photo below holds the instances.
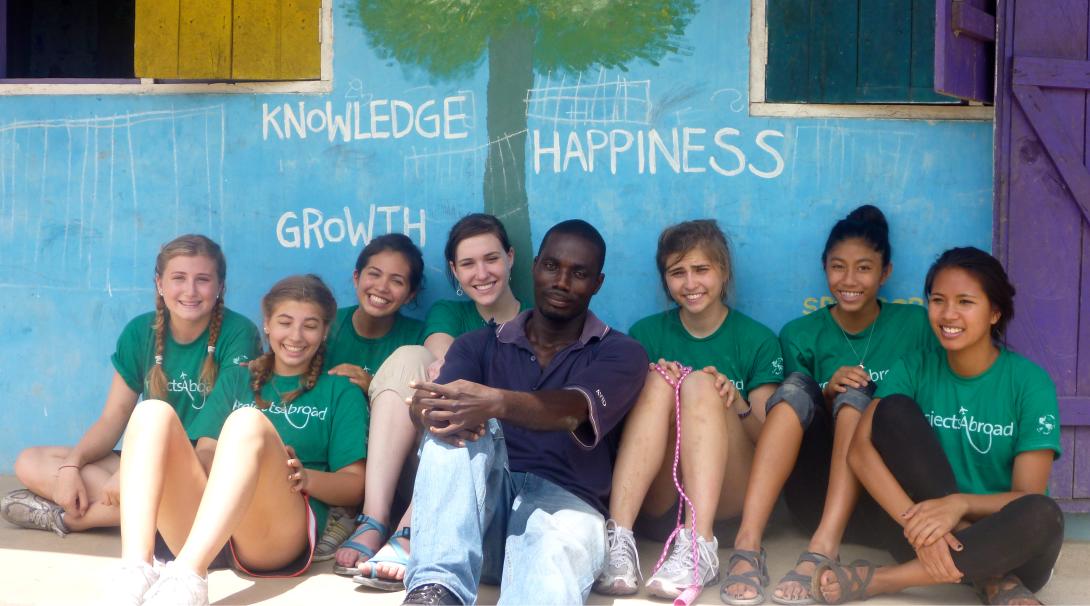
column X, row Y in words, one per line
column 1046, row 424
column 183, row 384
column 306, row 411
column 981, row 429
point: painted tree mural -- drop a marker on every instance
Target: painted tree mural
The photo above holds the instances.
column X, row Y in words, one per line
column 451, row 38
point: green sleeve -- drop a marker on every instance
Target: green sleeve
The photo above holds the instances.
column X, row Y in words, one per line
column 1039, row 414
column 767, row 364
column 901, row 379
column 794, row 359
column 348, row 438
column 217, row 406
column 238, row 341
column 443, row 318
column 133, row 350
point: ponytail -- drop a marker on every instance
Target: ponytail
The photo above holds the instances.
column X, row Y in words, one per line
column 157, row 379
column 210, row 369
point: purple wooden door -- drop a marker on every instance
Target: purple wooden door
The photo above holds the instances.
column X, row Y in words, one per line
column 1042, row 208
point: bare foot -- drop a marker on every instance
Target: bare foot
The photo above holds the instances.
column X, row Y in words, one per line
column 859, row 575
column 739, row 591
column 795, row 590
column 388, row 567
column 348, row 557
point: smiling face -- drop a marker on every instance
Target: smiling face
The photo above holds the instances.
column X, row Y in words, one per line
column 696, row 282
column 960, row 312
column 482, row 268
column 566, row 276
column 383, row 285
column 295, row 330
column 854, row 272
column 190, row 286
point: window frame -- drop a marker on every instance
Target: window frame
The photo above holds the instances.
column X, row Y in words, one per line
column 758, row 59
column 149, row 86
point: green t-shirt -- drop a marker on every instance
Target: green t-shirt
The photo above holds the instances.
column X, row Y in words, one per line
column 456, row 318
column 743, row 349
column 327, row 426
column 982, row 422
column 346, row 345
column 135, row 355
column 815, row 344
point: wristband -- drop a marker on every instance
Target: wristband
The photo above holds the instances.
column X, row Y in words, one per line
column 63, row 466
column 743, row 415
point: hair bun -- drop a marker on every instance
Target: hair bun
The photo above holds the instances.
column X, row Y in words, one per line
column 868, row 214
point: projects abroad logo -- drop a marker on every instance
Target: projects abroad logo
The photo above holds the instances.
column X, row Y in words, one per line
column 293, row 413
column 183, row 384
column 777, row 366
column 976, row 432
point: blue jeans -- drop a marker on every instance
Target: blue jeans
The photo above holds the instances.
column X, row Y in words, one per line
column 474, row 519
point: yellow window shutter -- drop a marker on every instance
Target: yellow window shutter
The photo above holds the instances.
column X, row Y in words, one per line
column 228, row 39
column 276, row 40
column 156, row 46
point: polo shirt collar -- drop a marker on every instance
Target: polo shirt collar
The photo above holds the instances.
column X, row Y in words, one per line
column 515, row 331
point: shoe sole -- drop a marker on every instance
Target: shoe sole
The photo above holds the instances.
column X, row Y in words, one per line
column 662, row 590
column 617, row 588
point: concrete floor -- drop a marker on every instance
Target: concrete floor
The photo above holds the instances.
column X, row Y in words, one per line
column 40, row 568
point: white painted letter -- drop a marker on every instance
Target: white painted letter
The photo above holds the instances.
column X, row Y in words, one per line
column 420, row 226
column 575, row 148
column 616, row 150
column 292, row 241
column 686, row 147
column 389, row 210
column 449, row 117
column 592, row 146
column 312, row 226
column 395, row 105
column 377, row 117
column 719, row 136
column 431, row 120
column 540, row 151
column 775, row 172
column 269, row 119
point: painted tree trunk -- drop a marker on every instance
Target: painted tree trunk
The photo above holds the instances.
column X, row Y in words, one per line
column 510, row 77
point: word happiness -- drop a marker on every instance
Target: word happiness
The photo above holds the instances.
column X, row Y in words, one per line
column 678, row 150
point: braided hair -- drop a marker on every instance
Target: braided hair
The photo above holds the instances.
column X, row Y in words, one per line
column 307, row 288
column 189, row 245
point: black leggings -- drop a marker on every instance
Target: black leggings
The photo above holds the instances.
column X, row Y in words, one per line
column 1022, row 538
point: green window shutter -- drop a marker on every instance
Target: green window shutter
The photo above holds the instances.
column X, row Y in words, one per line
column 851, row 51
column 228, row 39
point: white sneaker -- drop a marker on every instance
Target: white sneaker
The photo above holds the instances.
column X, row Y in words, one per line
column 621, row 575
column 676, row 573
column 24, row 508
column 177, row 586
column 127, row 584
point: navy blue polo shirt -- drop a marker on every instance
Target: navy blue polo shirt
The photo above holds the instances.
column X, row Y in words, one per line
column 607, row 367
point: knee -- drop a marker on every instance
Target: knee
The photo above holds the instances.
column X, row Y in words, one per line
column 28, row 464
column 1042, row 514
column 857, row 399
column 151, row 414
column 892, row 414
column 245, row 426
column 800, row 393
column 656, row 394
column 698, row 393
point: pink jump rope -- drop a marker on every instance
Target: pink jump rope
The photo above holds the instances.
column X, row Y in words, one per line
column 688, row 596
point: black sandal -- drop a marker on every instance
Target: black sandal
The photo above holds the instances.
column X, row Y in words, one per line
column 756, row 578
column 1002, row 597
column 853, row 587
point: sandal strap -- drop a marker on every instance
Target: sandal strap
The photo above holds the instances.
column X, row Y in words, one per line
column 756, row 559
column 366, row 523
column 853, row 586
column 813, row 557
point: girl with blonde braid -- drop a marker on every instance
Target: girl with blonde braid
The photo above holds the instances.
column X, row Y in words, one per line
column 173, row 354
column 277, row 444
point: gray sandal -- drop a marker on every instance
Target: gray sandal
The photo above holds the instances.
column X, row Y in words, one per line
column 853, row 586
column 802, row 579
column 756, row 578
column 1008, row 595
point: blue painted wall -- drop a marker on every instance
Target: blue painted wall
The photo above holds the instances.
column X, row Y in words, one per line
column 91, row 186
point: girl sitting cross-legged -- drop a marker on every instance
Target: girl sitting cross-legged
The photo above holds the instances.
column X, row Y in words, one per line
column 278, row 443
column 958, row 450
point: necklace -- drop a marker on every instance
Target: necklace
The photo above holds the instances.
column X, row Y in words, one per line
column 866, row 348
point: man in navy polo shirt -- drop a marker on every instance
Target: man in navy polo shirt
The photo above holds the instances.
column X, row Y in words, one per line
column 516, row 466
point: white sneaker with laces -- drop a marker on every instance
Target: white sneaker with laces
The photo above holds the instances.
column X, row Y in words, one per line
column 24, row 508
column 621, row 575
column 177, row 586
column 128, row 583
column 676, row 573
